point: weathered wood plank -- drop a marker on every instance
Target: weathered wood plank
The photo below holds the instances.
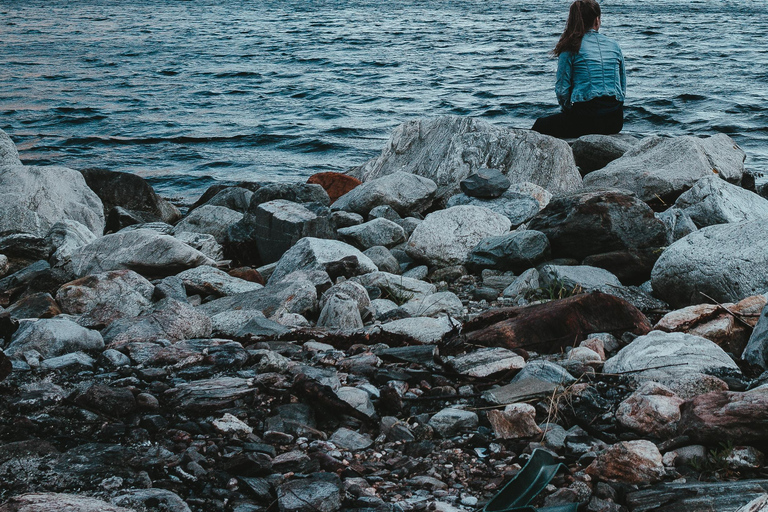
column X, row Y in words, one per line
column 697, row 496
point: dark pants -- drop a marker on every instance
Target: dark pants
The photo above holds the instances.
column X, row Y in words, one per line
column 600, row 115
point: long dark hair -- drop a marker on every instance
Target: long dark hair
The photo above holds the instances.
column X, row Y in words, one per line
column 581, row 17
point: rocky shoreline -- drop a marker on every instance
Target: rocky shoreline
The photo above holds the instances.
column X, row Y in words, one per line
column 398, row 338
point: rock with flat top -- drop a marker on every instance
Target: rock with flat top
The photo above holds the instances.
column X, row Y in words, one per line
column 53, row 337
column 652, row 410
column 516, row 421
column 629, row 462
column 319, row 254
column 713, row 200
column 405, row 192
column 663, row 168
column 207, row 280
column 58, row 502
column 722, row 416
column 487, row 361
column 212, row 220
column 595, row 151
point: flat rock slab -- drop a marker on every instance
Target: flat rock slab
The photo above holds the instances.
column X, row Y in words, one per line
column 696, row 496
column 209, row 395
column 317, row 254
column 208, row 280
column 520, row 391
column 551, row 326
column 487, row 361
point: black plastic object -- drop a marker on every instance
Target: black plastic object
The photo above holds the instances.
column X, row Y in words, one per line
column 540, row 469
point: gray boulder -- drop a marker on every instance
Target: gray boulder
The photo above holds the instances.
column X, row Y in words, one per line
column 340, row 312
column 437, row 304
column 485, row 183
column 446, row 237
column 131, row 194
column 53, row 337
column 234, row 198
column 604, row 228
column 153, row 498
column 294, row 192
column 383, row 259
column 593, row 152
column 269, row 229
column 398, row 288
column 352, row 290
column 229, row 323
column 667, row 357
column 662, row 169
column 516, row 251
column 213, row 220
column 101, row 299
column 317, row 254
column 524, row 286
column 518, row 208
column 33, row 199
column 66, row 238
column 713, row 200
column 578, row 277
column 206, row 280
column 320, row 493
column 448, row 149
column 406, row 193
column 756, row 351
column 202, row 242
column 677, row 222
column 294, row 296
column 141, row 250
column 9, row 154
column 372, row 233
column 422, row 329
column 526, row 188
column 726, row 262
column 450, row 421
column 168, row 319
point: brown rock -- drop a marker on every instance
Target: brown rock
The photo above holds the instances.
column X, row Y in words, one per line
column 630, row 462
column 651, row 410
column 39, row 305
column 723, row 416
column 514, row 422
column 552, row 326
column 247, row 274
column 335, row 184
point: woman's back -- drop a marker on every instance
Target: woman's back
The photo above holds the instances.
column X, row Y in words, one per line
column 597, row 70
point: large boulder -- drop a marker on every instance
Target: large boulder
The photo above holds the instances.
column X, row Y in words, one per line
column 293, row 296
column 142, row 250
column 269, row 229
column 168, row 319
column 212, row 220
column 713, row 200
column 377, row 232
column 317, row 254
column 53, row 337
column 726, row 416
column 516, row 251
column 593, row 152
column 448, row 149
column 58, row 502
column 447, row 237
column 33, row 199
column 662, row 169
column 207, row 280
column 406, row 193
column 65, row 238
column 667, row 357
column 132, row 193
column 726, row 262
column 103, row 298
column 604, row 228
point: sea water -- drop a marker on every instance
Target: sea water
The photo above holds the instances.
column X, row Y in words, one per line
column 188, row 93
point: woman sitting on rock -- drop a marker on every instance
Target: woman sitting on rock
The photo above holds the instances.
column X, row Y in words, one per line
column 591, row 81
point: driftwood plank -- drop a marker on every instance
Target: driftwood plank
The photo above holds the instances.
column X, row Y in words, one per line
column 697, row 496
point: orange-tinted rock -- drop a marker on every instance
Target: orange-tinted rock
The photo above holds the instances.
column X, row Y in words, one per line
column 630, row 462
column 723, row 416
column 247, row 274
column 552, row 326
column 335, row 184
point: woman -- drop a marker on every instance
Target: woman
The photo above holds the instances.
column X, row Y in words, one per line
column 591, row 81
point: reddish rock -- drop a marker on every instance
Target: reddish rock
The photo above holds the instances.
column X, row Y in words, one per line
column 247, row 274
column 723, row 416
column 514, row 422
column 651, row 410
column 629, row 462
column 552, row 326
column 335, row 184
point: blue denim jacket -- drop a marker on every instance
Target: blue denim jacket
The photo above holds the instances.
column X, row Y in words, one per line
column 596, row 70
